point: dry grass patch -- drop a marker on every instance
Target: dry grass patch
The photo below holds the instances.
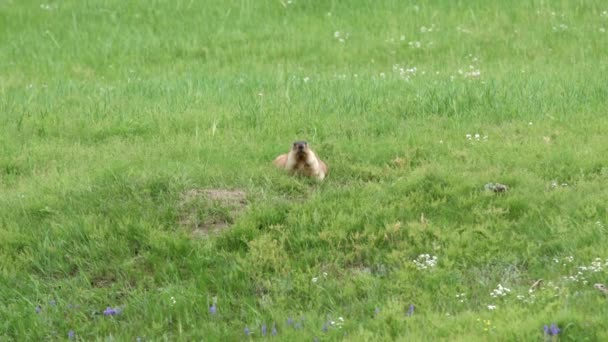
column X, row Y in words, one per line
column 205, row 211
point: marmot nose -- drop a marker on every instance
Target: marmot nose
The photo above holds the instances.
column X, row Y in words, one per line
column 300, row 147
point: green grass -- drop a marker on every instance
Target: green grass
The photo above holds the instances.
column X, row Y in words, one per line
column 111, row 110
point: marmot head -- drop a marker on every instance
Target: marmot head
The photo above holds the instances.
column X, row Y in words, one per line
column 300, row 148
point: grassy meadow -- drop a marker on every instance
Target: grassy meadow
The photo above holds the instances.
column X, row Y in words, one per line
column 116, row 116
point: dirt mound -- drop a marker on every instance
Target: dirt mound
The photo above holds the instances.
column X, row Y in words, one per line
column 206, row 211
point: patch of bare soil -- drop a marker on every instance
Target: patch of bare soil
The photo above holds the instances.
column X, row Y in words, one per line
column 206, row 211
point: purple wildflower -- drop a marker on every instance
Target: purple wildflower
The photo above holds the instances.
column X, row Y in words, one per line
column 553, row 330
column 298, row 325
column 38, row 309
column 411, row 310
column 212, row 309
column 247, row 331
column 546, row 329
column 376, row 311
column 325, row 328
column 71, row 334
column 53, row 302
column 109, row 311
column 274, row 329
column 289, row 321
column 263, row 329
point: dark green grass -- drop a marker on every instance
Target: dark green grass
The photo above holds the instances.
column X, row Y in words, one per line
column 110, row 111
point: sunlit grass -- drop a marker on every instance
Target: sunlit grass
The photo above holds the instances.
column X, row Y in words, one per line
column 111, row 111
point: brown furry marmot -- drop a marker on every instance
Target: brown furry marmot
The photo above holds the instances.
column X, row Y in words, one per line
column 301, row 160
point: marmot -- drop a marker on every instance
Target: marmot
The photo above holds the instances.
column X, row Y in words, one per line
column 302, row 160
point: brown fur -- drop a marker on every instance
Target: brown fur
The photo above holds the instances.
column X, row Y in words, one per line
column 301, row 160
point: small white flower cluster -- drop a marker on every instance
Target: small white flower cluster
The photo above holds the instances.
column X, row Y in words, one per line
column 425, row 29
column 425, row 261
column 578, row 277
column 472, row 73
column 338, row 324
column 492, row 307
column 341, row 37
column 415, row 44
column 404, row 72
column 48, row 7
column 528, row 300
column 462, row 297
column 500, row 291
column 596, row 266
column 604, row 14
column 568, row 259
column 553, row 14
column 561, row 27
column 316, row 279
column 554, row 184
column 477, row 137
column 473, row 69
column 461, row 29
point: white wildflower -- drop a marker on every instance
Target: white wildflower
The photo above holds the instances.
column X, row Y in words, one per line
column 472, row 73
column 425, row 261
column 461, row 297
column 500, row 291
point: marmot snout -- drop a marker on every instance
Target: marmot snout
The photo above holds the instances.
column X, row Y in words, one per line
column 301, row 160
